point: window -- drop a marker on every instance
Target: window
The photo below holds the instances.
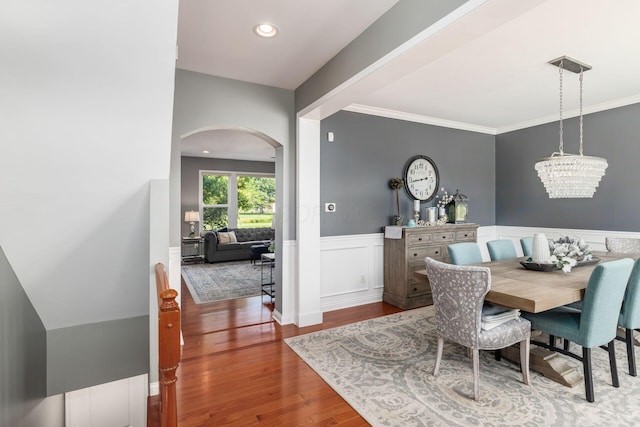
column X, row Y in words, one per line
column 215, row 201
column 237, row 201
column 256, row 201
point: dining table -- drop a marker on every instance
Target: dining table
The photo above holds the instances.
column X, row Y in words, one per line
column 530, row 288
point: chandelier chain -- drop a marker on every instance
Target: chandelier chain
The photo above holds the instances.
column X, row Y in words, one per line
column 581, row 74
column 560, row 67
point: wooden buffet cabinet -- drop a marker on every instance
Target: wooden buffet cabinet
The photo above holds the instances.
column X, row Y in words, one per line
column 404, row 256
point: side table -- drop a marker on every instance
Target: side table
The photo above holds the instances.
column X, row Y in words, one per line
column 192, row 250
column 267, row 283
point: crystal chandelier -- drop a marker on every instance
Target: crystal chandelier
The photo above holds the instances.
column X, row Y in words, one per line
column 570, row 176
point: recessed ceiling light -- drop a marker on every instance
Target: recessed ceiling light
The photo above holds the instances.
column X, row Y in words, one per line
column 265, row 30
column 205, row 151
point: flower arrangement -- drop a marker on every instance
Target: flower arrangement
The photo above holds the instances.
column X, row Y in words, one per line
column 444, row 198
column 566, row 252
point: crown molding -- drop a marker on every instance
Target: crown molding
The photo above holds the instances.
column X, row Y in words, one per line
column 610, row 105
column 417, row 118
column 393, row 114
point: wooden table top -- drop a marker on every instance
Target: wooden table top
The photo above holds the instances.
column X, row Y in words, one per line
column 534, row 291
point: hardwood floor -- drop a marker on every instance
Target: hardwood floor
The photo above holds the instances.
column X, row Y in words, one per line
column 236, row 369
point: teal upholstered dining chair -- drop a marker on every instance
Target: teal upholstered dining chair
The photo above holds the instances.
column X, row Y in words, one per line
column 630, row 314
column 464, row 253
column 527, row 246
column 501, row 249
column 458, row 298
column 596, row 324
column 629, row 318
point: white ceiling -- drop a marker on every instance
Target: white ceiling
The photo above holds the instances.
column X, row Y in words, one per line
column 487, row 71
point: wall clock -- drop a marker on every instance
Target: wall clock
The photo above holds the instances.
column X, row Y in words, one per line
column 421, row 178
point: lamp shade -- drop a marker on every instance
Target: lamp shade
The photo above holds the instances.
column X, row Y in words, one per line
column 191, row 216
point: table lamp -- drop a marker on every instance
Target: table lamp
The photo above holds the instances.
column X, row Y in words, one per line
column 192, row 217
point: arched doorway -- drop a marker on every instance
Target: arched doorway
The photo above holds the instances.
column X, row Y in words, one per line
column 231, row 151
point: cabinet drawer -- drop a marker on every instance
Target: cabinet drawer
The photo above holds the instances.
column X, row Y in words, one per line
column 418, row 287
column 466, row 235
column 417, row 255
column 419, row 239
column 444, row 237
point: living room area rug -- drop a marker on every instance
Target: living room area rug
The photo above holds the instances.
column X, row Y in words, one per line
column 223, row 280
column 383, row 369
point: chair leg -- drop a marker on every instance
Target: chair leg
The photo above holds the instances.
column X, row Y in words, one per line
column 612, row 363
column 498, row 355
column 436, row 369
column 631, row 356
column 588, row 379
column 476, row 374
column 525, row 349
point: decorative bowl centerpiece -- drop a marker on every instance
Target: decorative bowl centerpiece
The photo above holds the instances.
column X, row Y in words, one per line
column 565, row 253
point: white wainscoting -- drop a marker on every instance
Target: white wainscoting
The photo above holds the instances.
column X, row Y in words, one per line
column 352, row 266
column 351, row 270
column 289, row 274
column 118, row 403
column 594, row 238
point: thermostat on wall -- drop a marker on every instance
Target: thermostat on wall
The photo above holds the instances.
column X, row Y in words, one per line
column 330, row 207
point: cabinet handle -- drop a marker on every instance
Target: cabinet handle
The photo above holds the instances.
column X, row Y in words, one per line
column 465, row 235
column 415, row 254
column 444, row 237
column 419, row 239
column 415, row 289
column 437, row 252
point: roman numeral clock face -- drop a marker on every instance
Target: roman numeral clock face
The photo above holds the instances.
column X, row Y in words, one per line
column 421, row 178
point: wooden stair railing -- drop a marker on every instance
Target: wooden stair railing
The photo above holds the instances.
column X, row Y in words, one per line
column 168, row 348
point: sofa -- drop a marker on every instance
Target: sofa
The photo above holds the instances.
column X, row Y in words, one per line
column 224, row 248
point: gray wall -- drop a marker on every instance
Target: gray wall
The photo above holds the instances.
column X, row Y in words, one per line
column 190, row 176
column 205, row 102
column 369, row 150
column 23, row 352
column 521, row 199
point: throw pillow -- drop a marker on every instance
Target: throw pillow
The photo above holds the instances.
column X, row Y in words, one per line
column 228, row 237
column 223, row 237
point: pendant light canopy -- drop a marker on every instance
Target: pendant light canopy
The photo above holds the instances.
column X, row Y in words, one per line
column 570, row 176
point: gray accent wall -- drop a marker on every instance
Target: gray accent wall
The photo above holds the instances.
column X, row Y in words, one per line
column 190, row 178
column 368, row 151
column 521, row 199
column 403, row 21
column 98, row 353
column 23, row 352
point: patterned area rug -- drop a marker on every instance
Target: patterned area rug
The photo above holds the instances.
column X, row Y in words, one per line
column 222, row 281
column 383, row 369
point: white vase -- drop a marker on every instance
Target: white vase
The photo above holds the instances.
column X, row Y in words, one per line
column 540, row 252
